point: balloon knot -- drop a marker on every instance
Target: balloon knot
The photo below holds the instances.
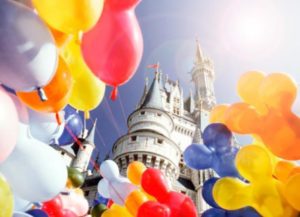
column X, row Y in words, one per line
column 42, row 94
column 58, row 118
column 114, row 94
column 87, row 115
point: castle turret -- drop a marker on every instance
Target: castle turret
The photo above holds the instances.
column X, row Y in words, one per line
column 84, row 151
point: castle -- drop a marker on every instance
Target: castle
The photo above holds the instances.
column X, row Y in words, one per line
column 159, row 130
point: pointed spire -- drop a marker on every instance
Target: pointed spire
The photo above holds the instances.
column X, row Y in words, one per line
column 199, row 54
column 153, row 97
column 90, row 138
column 197, row 136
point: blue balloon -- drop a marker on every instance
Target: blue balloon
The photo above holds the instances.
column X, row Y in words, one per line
column 73, row 123
column 214, row 213
column 217, row 152
column 37, row 213
column 207, row 192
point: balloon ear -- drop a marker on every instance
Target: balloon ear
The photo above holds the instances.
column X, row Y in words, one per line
column 154, row 183
column 217, row 136
column 198, row 157
column 232, row 194
column 109, row 170
column 207, row 192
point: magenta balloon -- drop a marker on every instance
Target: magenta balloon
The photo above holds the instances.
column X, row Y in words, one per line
column 8, row 125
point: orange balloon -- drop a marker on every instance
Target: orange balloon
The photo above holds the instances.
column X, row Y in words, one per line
column 217, row 114
column 134, row 200
column 278, row 91
column 60, row 38
column 57, row 92
column 242, row 118
column 283, row 170
column 135, row 171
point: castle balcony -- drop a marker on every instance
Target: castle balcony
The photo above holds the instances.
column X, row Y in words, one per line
column 150, row 119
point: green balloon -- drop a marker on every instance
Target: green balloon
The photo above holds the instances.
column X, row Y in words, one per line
column 98, row 210
column 76, row 177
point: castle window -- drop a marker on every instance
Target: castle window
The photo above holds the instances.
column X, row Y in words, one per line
column 133, row 138
column 142, row 113
column 159, row 114
column 176, row 110
column 63, row 153
column 160, row 141
column 86, row 193
column 135, row 157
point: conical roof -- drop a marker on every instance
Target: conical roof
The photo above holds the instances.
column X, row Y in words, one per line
column 153, row 97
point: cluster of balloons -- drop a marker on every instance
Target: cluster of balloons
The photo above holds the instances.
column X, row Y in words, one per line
column 268, row 180
column 54, row 55
column 145, row 193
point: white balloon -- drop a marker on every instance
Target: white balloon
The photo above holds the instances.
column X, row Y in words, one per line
column 44, row 126
column 21, row 214
column 34, row 170
column 103, row 188
column 28, row 55
column 120, row 190
column 21, row 205
column 109, row 170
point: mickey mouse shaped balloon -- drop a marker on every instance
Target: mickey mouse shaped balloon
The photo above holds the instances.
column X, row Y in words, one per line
column 169, row 203
column 263, row 192
column 114, row 47
column 113, row 185
column 217, row 211
column 217, row 151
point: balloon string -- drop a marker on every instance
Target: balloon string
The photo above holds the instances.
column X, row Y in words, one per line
column 112, row 117
column 122, row 109
column 99, row 134
column 114, row 93
column 78, row 142
column 58, row 118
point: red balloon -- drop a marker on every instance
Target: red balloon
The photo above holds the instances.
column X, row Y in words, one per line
column 155, row 184
column 110, row 203
column 114, row 47
column 53, row 207
column 153, row 209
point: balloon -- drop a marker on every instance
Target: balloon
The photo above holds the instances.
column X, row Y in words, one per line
column 21, row 214
column 134, row 200
column 154, row 209
column 37, row 213
column 61, row 39
column 262, row 193
column 217, row 114
column 98, row 210
column 135, row 171
column 6, row 198
column 118, row 187
column 116, row 210
column 27, row 58
column 58, row 92
column 73, row 123
column 69, row 16
column 214, row 213
column 76, row 177
column 75, row 203
column 248, row 87
column 8, row 125
column 36, row 163
column 44, row 127
column 67, row 213
column 116, row 39
column 155, row 184
column 53, row 207
column 217, row 151
column 20, row 204
column 87, row 91
column 207, row 192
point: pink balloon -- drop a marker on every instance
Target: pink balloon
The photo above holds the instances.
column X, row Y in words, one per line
column 75, row 203
column 8, row 125
column 68, row 213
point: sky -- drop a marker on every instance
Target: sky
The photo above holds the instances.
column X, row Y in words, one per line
column 238, row 36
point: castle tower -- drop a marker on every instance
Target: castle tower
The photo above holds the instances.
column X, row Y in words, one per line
column 83, row 154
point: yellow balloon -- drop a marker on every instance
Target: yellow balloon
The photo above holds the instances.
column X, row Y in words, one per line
column 135, row 171
column 116, row 211
column 247, row 88
column 217, row 114
column 88, row 91
column 263, row 192
column 69, row 16
column 6, row 199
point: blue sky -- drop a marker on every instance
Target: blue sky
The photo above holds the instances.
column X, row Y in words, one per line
column 257, row 34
